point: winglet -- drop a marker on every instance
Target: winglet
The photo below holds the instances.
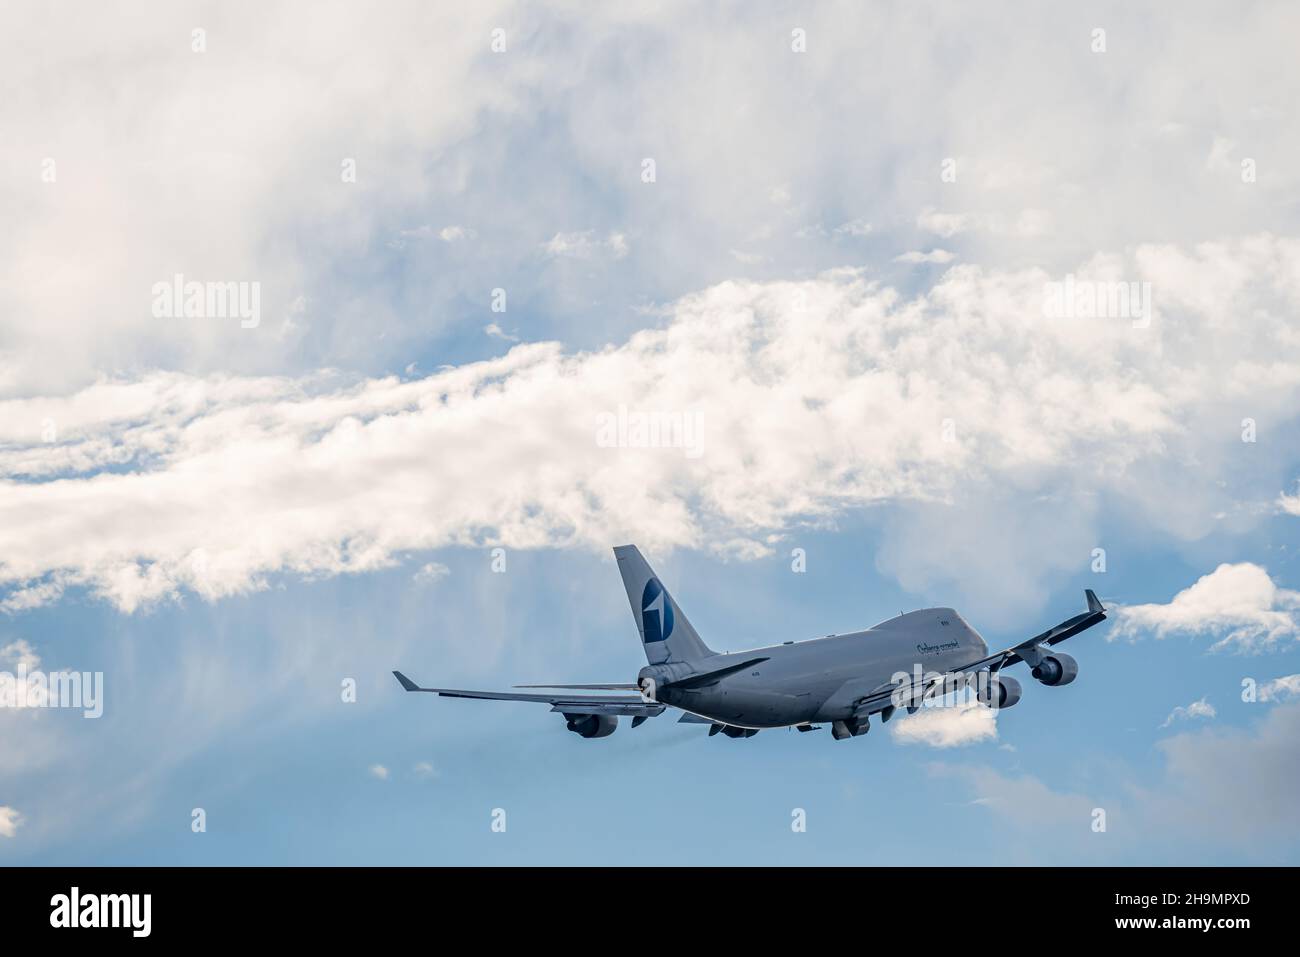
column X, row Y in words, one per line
column 406, row 682
column 1093, row 604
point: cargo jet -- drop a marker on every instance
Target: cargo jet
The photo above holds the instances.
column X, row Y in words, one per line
column 840, row 680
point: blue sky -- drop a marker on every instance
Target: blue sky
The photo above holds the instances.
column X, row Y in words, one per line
column 229, row 523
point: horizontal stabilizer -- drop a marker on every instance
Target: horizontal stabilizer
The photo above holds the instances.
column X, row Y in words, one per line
column 568, row 704
column 709, row 677
column 609, row 687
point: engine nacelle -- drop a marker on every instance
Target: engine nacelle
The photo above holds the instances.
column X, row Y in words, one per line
column 998, row 691
column 1056, row 669
column 592, row 725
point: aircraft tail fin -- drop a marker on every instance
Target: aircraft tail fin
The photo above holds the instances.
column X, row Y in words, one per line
column 666, row 632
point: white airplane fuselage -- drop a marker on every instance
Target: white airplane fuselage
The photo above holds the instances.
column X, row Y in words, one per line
column 819, row 680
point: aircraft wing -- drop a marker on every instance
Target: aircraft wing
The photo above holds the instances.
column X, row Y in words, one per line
column 633, row 705
column 913, row 692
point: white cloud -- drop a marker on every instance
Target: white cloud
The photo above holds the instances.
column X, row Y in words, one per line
column 496, row 332
column 451, row 234
column 1220, row 157
column 379, row 771
column 943, row 224
column 1290, row 503
column 13, row 656
column 938, row 256
column 1021, row 224
column 424, row 769
column 1239, row 605
column 545, row 134
column 856, row 228
column 813, row 397
column 156, row 186
column 404, row 236
column 1197, row 709
column 33, row 596
column 19, row 653
column 10, row 821
column 947, row 726
column 586, row 245
column 431, row 572
column 1280, row 689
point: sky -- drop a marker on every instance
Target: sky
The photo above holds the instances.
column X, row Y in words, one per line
column 868, row 256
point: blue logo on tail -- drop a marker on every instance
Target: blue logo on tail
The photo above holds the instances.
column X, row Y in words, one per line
column 656, row 612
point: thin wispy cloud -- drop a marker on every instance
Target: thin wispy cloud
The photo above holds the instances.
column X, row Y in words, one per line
column 934, row 256
column 1197, row 709
column 10, row 821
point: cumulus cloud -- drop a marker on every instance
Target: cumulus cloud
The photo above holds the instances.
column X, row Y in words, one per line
column 810, row 398
column 10, row 821
column 1197, row 709
column 949, row 726
column 379, row 771
column 1239, row 605
column 1280, row 689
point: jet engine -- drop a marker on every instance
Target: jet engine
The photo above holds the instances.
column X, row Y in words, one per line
column 999, row 691
column 592, row 725
column 1056, row 669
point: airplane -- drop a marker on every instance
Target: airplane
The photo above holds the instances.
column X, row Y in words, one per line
column 840, row 680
